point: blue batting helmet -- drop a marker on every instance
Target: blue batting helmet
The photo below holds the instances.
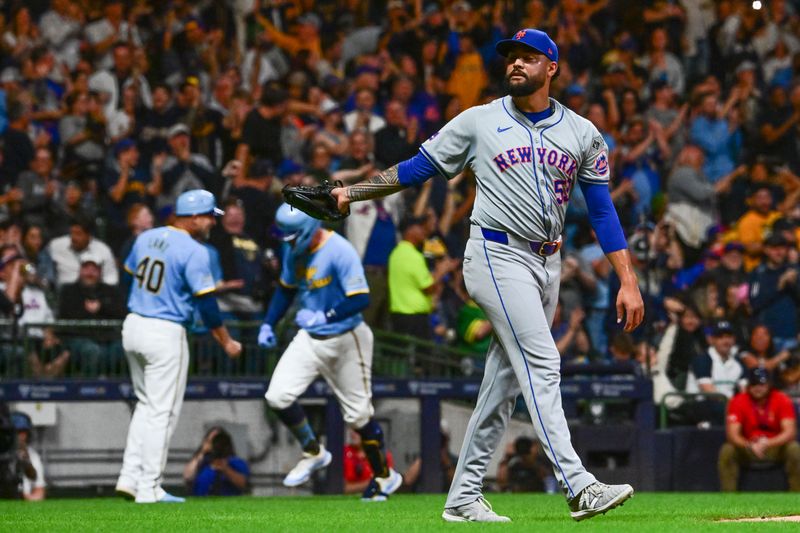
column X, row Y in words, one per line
column 196, row 202
column 21, row 421
column 297, row 227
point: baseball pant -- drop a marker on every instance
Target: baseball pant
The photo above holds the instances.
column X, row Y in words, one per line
column 518, row 291
column 732, row 458
column 344, row 361
column 158, row 358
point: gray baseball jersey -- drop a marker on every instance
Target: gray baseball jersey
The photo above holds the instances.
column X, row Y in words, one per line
column 525, row 172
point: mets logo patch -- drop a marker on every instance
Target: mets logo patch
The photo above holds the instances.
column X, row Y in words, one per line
column 519, row 35
column 601, row 163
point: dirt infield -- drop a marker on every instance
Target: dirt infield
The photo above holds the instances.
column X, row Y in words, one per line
column 793, row 518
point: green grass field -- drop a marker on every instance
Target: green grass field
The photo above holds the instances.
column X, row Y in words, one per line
column 403, row 514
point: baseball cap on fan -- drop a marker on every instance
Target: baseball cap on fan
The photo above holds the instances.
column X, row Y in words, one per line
column 758, row 376
column 535, row 39
column 91, row 258
column 197, row 202
column 721, row 327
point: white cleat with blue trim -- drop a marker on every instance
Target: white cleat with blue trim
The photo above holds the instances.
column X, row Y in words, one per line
column 478, row 511
column 598, row 498
column 307, row 466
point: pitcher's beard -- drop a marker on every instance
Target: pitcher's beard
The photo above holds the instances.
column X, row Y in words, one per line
column 525, row 88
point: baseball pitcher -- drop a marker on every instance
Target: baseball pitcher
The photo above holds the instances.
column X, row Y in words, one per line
column 527, row 152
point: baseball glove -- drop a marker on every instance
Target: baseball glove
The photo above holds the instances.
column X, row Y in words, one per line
column 316, row 201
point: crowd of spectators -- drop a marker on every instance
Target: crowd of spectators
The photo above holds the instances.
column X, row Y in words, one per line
column 109, row 110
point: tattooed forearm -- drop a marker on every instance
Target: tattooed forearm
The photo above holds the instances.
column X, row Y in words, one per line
column 384, row 184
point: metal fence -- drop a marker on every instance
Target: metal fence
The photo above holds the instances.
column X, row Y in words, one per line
column 93, row 349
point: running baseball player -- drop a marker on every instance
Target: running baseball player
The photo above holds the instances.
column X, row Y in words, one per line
column 324, row 270
column 527, row 152
column 171, row 276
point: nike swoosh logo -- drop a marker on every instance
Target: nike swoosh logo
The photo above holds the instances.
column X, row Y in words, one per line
column 501, row 130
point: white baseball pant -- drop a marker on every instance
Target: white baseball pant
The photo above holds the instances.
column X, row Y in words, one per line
column 344, row 361
column 158, row 358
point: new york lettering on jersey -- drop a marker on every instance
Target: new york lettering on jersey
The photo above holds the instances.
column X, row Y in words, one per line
column 525, row 172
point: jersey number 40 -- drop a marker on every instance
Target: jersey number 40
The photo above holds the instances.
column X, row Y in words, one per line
column 150, row 274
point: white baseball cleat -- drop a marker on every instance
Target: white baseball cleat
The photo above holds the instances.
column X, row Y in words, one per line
column 598, row 498
column 307, row 466
column 380, row 488
column 478, row 511
column 169, row 498
column 391, row 483
column 165, row 497
column 126, row 491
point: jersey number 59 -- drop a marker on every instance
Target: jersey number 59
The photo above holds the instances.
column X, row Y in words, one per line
column 150, row 274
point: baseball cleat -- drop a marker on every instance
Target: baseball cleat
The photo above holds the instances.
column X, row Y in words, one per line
column 598, row 498
column 169, row 498
column 166, row 498
column 307, row 466
column 380, row 488
column 373, row 493
column 129, row 493
column 478, row 511
column 390, row 483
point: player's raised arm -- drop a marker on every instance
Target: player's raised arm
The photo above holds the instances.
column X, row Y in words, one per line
column 446, row 152
column 382, row 184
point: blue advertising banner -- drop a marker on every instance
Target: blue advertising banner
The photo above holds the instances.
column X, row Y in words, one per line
column 249, row 388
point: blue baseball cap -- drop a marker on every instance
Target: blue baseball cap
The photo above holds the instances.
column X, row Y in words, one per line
column 196, row 202
column 536, row 39
column 21, row 421
column 124, row 144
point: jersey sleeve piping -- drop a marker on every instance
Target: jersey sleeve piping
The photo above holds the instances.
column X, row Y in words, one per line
column 592, row 181
column 203, row 292
column 357, row 291
column 436, row 165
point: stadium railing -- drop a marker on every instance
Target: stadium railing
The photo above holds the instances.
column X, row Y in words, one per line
column 33, row 367
column 94, row 349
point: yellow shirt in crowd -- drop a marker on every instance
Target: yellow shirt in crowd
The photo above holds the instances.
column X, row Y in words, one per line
column 408, row 278
column 752, row 229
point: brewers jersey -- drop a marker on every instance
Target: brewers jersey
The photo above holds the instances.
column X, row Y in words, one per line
column 169, row 268
column 325, row 276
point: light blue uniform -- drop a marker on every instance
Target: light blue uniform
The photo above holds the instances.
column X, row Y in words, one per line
column 340, row 351
column 170, row 269
column 324, row 277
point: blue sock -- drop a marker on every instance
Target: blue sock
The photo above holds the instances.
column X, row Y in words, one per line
column 372, row 443
column 295, row 419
